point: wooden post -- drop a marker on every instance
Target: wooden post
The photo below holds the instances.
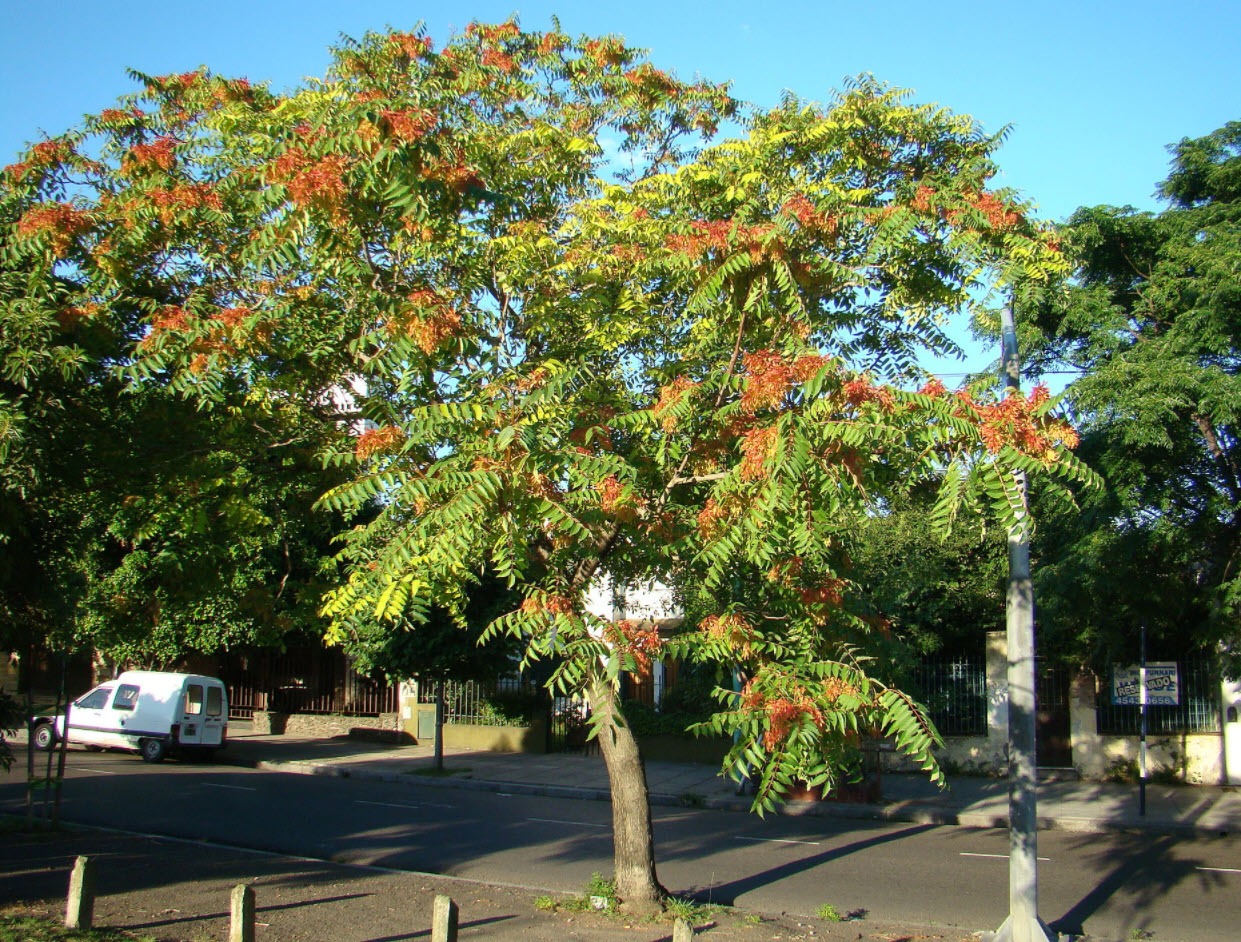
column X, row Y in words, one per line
column 444, row 920
column 80, row 909
column 682, row 931
column 241, row 927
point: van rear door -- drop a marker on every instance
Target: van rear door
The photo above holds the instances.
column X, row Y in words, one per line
column 215, row 716
column 204, row 713
column 193, row 706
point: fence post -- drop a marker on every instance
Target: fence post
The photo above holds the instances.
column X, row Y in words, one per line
column 444, row 920
column 241, row 925
column 80, row 909
column 682, row 931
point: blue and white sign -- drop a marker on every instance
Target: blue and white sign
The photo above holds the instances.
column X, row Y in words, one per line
column 1163, row 684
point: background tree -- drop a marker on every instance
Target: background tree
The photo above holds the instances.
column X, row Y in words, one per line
column 1152, row 322
column 135, row 524
column 941, row 593
column 577, row 359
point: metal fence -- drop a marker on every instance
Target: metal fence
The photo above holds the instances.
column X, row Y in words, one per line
column 306, row 680
column 473, row 703
column 1198, row 711
column 954, row 689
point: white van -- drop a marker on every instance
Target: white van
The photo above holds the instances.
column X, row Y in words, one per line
column 150, row 712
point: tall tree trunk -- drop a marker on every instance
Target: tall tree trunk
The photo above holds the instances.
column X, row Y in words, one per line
column 633, row 842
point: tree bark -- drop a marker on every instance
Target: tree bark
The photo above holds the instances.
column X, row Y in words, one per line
column 633, row 842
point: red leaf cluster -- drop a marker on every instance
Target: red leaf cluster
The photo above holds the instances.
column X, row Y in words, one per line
column 1011, row 422
column 413, row 46
column 494, row 32
column 548, row 604
column 186, row 196
column 652, row 84
column 720, row 236
column 498, row 59
column 770, row 375
column 377, row 441
column 550, row 44
column 997, row 213
column 783, row 714
column 410, row 124
column 605, row 52
column 801, row 208
column 757, row 447
column 669, row 397
column 731, row 629
column 922, row 199
column 320, row 184
column 160, row 153
column 640, row 640
column 827, row 594
column 430, row 319
column 233, row 317
column 59, row 223
column 860, row 391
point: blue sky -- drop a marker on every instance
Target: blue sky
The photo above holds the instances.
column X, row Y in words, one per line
column 1094, row 89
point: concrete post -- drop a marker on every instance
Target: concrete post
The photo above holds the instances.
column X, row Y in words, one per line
column 682, row 931
column 444, row 920
column 241, row 925
column 1023, row 923
column 80, row 908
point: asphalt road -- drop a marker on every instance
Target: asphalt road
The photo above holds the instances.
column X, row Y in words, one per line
column 1114, row 886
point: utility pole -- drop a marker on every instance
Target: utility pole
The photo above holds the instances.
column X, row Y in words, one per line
column 1023, row 923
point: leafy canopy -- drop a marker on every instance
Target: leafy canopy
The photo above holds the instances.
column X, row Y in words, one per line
column 578, row 344
column 1152, row 320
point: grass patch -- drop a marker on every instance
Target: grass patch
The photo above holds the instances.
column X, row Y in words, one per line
column 689, row 910
column 829, row 913
column 438, row 773
column 24, row 928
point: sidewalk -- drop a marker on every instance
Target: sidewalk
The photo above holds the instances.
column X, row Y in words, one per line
column 968, row 801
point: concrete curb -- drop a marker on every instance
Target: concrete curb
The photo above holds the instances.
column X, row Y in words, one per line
column 910, row 812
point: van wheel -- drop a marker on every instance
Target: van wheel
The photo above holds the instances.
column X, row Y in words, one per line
column 153, row 750
column 44, row 737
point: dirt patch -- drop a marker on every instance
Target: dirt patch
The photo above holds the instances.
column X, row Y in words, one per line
column 176, row 891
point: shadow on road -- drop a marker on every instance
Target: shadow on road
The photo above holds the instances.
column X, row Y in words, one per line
column 1141, row 871
column 727, row 893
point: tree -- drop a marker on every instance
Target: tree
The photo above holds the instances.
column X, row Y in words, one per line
column 134, row 523
column 1152, row 321
column 940, row 593
column 581, row 347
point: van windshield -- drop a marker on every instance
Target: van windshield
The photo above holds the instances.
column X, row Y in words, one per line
column 97, row 699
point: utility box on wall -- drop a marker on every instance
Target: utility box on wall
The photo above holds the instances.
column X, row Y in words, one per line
column 426, row 725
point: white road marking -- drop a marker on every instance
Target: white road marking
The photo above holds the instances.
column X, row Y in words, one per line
column 82, row 768
column 580, row 824
column 777, row 840
column 998, row 856
column 1218, row 869
column 386, row 804
column 236, row 788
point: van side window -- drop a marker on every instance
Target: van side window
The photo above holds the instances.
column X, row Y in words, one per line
column 193, row 699
column 126, row 697
column 97, row 699
column 215, row 701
